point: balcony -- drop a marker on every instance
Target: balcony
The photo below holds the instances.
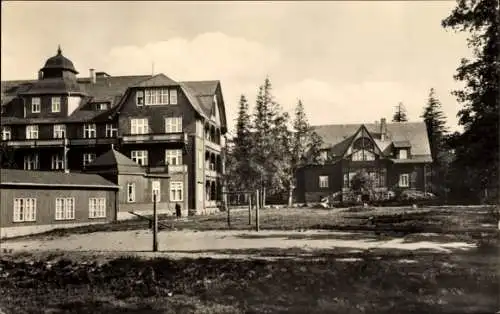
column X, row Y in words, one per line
column 212, row 146
column 212, row 173
column 170, row 169
column 92, row 141
column 155, row 138
column 177, row 168
column 34, row 143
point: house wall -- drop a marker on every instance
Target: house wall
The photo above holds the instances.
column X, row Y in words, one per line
column 143, row 193
column 308, row 189
column 45, row 210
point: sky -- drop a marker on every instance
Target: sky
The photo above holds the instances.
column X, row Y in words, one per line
column 349, row 62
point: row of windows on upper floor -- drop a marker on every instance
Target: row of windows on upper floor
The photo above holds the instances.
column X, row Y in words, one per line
column 173, row 157
column 366, row 155
column 137, row 127
column 147, row 97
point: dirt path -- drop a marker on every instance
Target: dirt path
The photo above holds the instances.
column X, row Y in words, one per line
column 227, row 243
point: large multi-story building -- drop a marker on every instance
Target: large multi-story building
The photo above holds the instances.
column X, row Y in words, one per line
column 62, row 122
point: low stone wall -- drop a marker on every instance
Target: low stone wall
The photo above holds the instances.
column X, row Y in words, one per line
column 9, row 232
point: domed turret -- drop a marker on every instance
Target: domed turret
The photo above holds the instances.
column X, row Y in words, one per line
column 58, row 65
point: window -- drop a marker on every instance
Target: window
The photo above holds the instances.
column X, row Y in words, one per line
column 173, row 125
column 97, row 207
column 403, row 154
column 24, row 209
column 35, row 104
column 164, row 96
column 155, row 190
column 57, row 162
column 323, row 181
column 59, row 131
column 404, row 180
column 158, row 96
column 348, row 178
column 102, row 106
column 363, row 155
column 88, row 158
column 65, row 208
column 173, row 157
column 32, row 132
column 56, row 104
column 6, row 133
column 139, row 98
column 31, row 162
column 131, row 192
column 89, row 130
column 140, row 157
column 111, row 130
column 139, row 126
column 176, row 191
column 173, row 97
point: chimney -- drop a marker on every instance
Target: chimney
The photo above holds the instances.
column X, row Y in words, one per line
column 40, row 75
column 92, row 76
column 383, row 129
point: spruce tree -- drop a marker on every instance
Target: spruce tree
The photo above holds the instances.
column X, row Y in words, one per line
column 435, row 122
column 400, row 114
column 476, row 149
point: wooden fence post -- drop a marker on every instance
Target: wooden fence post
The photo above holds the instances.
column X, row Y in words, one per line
column 155, row 225
column 250, row 208
column 257, row 205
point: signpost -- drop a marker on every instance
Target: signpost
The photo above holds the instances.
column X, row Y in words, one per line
column 155, row 225
column 257, row 204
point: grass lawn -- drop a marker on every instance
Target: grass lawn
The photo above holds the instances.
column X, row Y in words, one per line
column 323, row 281
column 389, row 219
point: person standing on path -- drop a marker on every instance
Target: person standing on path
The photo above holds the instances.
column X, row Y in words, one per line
column 177, row 210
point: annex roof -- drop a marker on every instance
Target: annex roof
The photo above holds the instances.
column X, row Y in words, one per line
column 16, row 177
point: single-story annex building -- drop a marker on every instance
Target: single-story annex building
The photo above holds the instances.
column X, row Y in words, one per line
column 38, row 201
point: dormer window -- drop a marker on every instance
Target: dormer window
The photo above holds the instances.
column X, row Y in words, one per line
column 102, row 106
column 157, row 96
column 35, row 105
column 56, row 104
column 403, row 154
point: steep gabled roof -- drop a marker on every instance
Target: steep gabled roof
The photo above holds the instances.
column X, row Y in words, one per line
column 53, row 178
column 156, row 81
column 413, row 132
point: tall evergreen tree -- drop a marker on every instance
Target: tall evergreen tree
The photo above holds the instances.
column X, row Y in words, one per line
column 400, row 114
column 267, row 120
column 243, row 163
column 435, row 122
column 476, row 149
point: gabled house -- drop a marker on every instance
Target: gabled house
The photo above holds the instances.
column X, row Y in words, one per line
column 62, row 122
column 395, row 155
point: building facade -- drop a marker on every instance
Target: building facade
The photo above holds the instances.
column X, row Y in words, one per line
column 396, row 156
column 37, row 201
column 62, row 122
